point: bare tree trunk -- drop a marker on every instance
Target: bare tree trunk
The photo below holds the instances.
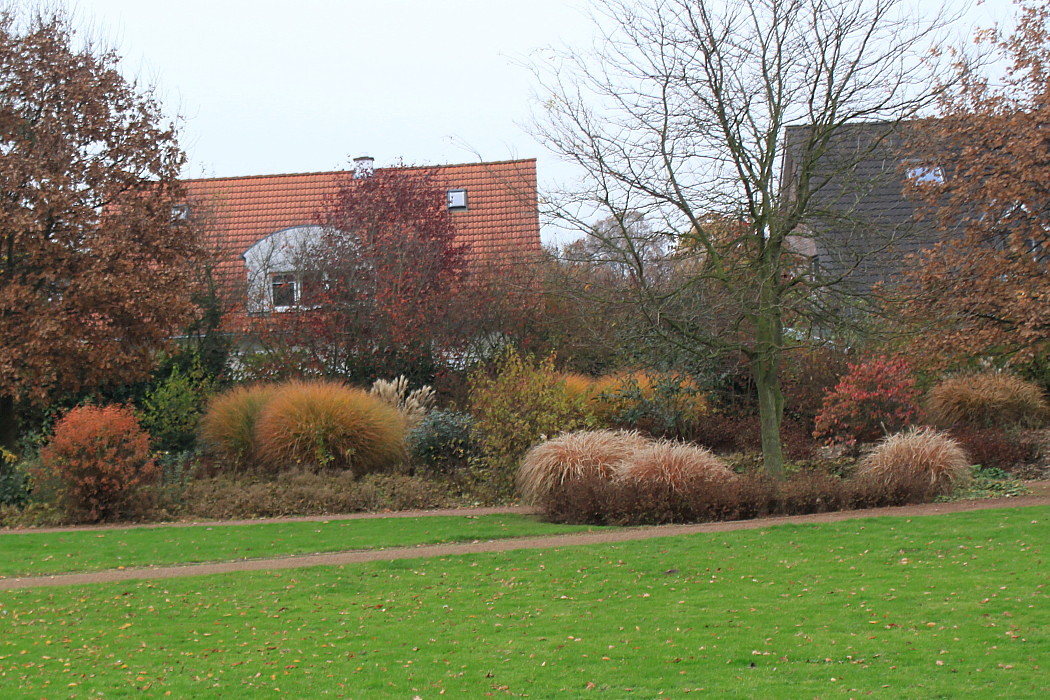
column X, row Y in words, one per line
column 765, row 367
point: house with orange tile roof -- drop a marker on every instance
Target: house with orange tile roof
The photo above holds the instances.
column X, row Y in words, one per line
column 253, row 224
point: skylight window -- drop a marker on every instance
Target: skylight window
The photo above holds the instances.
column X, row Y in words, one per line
column 457, row 199
column 925, row 174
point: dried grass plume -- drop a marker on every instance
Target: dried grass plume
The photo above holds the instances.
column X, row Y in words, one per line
column 574, row 455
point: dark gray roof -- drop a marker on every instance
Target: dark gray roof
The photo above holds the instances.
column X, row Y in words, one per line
column 861, row 223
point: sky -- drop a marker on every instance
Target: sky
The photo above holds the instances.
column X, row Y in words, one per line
column 272, row 86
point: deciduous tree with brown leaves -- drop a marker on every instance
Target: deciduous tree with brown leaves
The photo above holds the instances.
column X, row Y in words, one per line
column 985, row 290
column 94, row 267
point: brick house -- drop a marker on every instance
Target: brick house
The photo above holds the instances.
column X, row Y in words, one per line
column 254, row 224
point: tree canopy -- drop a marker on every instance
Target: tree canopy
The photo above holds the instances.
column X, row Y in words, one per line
column 94, row 267
column 985, row 289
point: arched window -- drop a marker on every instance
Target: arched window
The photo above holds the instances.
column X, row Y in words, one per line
column 279, row 266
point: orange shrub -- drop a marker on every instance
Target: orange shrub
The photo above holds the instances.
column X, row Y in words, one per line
column 674, row 464
column 97, row 460
column 576, row 455
column 329, row 425
column 228, row 425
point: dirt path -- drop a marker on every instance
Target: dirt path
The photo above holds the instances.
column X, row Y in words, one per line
column 1040, row 497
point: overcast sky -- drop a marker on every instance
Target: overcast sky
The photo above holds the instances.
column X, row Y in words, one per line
column 272, row 86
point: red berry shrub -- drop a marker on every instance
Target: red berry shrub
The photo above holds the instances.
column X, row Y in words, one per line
column 97, row 461
column 875, row 398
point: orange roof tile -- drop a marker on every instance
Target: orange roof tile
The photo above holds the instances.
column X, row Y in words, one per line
column 501, row 223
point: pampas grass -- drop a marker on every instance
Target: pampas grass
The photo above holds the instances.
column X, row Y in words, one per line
column 988, row 400
column 317, row 425
column 921, row 456
column 578, row 455
column 413, row 405
column 673, row 464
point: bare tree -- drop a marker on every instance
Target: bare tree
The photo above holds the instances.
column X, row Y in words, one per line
column 683, row 114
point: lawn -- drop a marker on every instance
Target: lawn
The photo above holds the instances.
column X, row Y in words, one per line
column 945, row 606
column 37, row 553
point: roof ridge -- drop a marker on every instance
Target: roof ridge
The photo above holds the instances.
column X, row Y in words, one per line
column 350, row 172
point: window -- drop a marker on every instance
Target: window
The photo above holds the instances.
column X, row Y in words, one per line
column 284, row 290
column 457, row 199
column 925, row 174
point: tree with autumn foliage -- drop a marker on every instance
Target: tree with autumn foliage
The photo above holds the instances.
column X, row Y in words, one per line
column 378, row 285
column 985, row 289
column 94, row 271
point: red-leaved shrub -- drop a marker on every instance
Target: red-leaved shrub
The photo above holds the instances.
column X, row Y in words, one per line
column 875, row 398
column 97, row 461
column 996, row 448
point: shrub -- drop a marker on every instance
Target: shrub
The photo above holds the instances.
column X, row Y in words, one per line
column 597, row 501
column 988, row 400
column 14, row 486
column 171, row 409
column 309, row 493
column 876, row 397
column 574, row 456
column 228, row 424
column 98, row 459
column 995, row 449
column 920, row 457
column 315, row 425
column 808, row 375
column 743, row 433
column 674, row 464
column 661, row 404
column 514, row 407
column 443, row 442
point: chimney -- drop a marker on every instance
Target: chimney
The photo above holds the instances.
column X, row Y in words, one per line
column 364, row 166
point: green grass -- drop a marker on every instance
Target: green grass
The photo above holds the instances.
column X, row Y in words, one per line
column 35, row 553
column 936, row 607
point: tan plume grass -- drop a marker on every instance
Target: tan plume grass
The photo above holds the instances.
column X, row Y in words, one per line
column 922, row 456
column 987, row 400
column 576, row 455
column 673, row 464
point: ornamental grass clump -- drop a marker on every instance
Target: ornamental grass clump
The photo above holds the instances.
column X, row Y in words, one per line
column 675, row 464
column 924, row 461
column 228, row 425
column 579, row 455
column 988, row 400
column 412, row 405
column 327, row 425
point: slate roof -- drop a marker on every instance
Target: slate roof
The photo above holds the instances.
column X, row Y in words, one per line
column 862, row 224
column 501, row 222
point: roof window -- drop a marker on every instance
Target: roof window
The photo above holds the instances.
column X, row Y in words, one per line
column 457, row 199
column 925, row 174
